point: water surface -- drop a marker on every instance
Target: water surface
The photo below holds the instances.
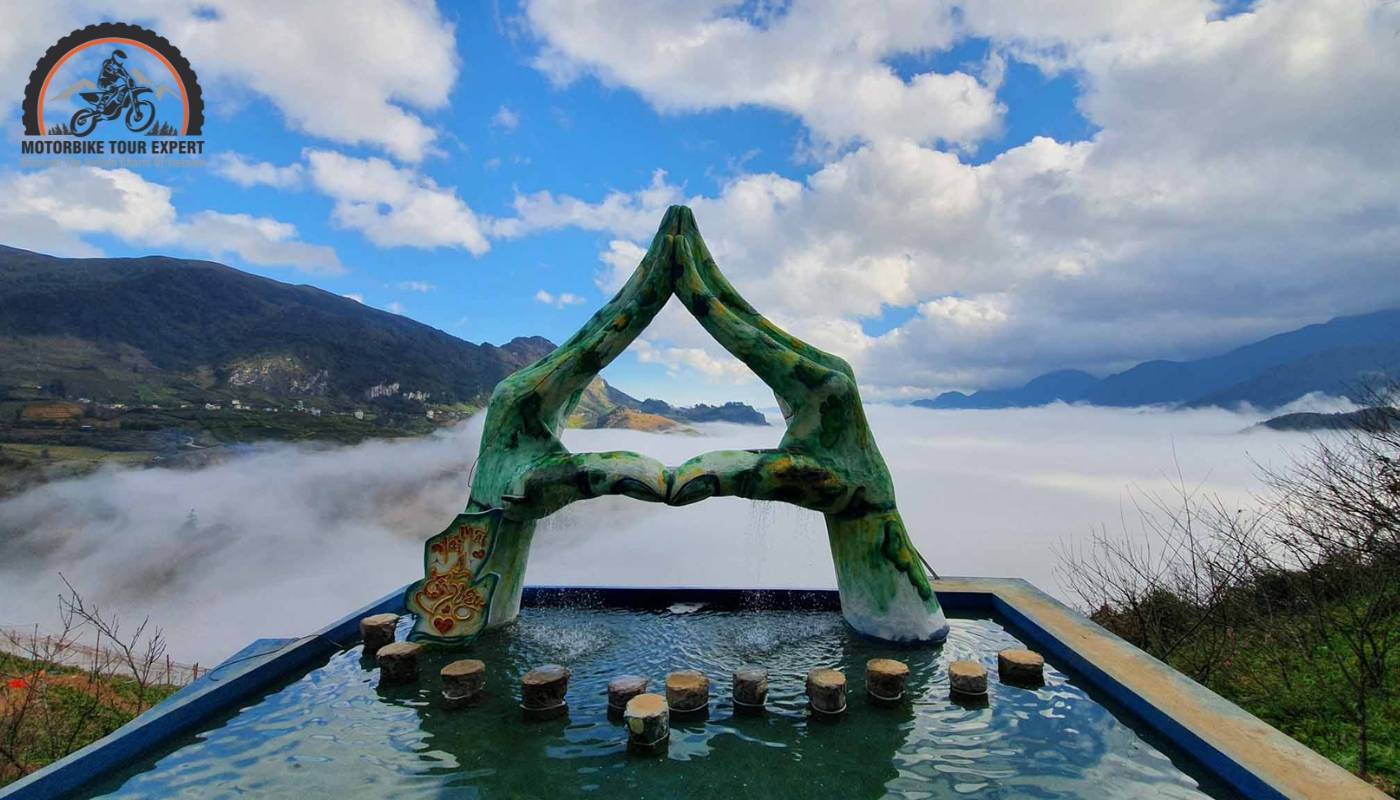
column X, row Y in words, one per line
column 333, row 733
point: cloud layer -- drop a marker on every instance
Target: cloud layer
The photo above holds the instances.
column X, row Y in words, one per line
column 983, row 493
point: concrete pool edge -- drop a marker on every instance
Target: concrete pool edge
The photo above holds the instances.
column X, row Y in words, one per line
column 1242, row 750
column 1255, row 758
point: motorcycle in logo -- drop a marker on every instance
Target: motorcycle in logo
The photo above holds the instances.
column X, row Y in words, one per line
column 120, row 92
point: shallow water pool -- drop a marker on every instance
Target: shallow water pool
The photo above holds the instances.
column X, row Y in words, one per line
column 334, row 733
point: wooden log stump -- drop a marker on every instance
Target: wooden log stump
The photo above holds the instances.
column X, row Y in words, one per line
column 542, row 692
column 376, row 631
column 750, row 689
column 398, row 663
column 688, row 692
column 826, row 691
column 648, row 724
column 462, row 682
column 884, row 681
column 1021, row 667
column 967, row 678
column 622, row 689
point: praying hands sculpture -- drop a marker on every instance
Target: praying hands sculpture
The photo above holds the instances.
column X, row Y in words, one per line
column 827, row 461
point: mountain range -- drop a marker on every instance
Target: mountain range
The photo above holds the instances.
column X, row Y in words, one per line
column 1344, row 357
column 158, row 358
column 605, row 406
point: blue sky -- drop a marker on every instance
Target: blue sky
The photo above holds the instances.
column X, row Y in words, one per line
column 949, row 197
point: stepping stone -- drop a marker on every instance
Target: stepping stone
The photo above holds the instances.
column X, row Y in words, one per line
column 648, row 724
column 750, row 689
column 1021, row 667
column 967, row 678
column 687, row 691
column 542, row 692
column 462, row 682
column 884, row 681
column 376, row 631
column 622, row 689
column 826, row 691
column 398, row 663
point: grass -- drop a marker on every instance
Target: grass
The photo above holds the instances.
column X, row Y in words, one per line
column 1304, row 694
column 24, row 466
column 1310, row 704
column 62, row 711
column 77, row 453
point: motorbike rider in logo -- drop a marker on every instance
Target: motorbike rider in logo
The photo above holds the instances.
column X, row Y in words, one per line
column 119, row 92
column 112, row 77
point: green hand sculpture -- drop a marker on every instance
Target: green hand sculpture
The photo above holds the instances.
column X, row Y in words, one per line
column 827, row 461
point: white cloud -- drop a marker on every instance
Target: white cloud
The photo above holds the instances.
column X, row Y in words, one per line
column 237, row 168
column 82, row 200
column 422, row 287
column 964, row 313
column 633, row 214
column 52, row 209
column 257, row 240
column 621, row 258
column 827, row 63
column 357, row 74
column 505, row 118
column 395, row 307
column 714, row 366
column 394, row 206
column 357, row 297
column 558, row 300
column 1243, row 182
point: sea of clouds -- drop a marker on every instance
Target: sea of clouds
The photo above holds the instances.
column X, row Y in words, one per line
column 279, row 540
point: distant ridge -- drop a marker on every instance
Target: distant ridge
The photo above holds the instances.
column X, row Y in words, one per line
column 1343, row 357
column 1039, row 391
column 1367, row 419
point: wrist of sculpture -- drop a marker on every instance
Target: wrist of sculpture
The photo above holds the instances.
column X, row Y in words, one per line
column 885, row 591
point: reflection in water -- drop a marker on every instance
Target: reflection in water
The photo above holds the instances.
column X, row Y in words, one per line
column 334, row 733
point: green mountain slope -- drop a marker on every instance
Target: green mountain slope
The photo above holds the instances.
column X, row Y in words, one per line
column 197, row 330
